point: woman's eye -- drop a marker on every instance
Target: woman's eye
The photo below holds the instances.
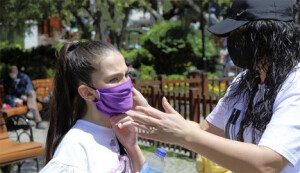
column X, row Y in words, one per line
column 113, row 80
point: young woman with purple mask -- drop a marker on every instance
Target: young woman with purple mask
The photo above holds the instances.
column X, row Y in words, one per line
column 91, row 91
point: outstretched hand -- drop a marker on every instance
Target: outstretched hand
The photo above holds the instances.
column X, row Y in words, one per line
column 168, row 127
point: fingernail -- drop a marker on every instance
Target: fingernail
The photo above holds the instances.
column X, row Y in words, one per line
column 119, row 125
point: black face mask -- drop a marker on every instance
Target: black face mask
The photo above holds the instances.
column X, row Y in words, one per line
column 241, row 53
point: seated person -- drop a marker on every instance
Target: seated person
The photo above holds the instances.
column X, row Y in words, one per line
column 132, row 72
column 19, row 86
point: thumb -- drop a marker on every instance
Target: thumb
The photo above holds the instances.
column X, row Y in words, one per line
column 168, row 108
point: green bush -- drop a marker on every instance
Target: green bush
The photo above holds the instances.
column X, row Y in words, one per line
column 138, row 57
column 175, row 46
column 146, row 72
column 37, row 63
column 7, row 45
column 175, row 77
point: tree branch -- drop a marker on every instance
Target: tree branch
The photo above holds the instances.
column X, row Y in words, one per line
column 90, row 13
column 124, row 23
column 194, row 6
column 154, row 13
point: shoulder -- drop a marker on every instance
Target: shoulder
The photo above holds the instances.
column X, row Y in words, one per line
column 23, row 75
column 282, row 134
column 71, row 151
column 74, row 137
column 290, row 87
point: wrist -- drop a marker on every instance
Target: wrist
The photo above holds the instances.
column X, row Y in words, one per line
column 188, row 135
column 132, row 149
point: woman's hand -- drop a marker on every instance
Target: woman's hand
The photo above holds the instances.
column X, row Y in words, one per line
column 168, row 127
column 127, row 135
column 24, row 98
column 138, row 99
column 125, row 131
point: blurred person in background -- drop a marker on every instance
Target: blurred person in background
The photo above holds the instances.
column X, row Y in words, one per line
column 18, row 90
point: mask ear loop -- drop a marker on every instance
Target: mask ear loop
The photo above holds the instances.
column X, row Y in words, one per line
column 93, row 89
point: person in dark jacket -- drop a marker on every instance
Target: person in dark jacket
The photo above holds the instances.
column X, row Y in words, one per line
column 18, row 88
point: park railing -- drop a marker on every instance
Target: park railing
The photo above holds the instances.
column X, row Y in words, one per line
column 194, row 98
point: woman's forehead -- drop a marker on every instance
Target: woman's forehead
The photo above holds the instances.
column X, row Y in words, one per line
column 111, row 62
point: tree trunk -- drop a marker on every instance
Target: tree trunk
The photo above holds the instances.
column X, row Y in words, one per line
column 120, row 38
column 100, row 26
column 86, row 34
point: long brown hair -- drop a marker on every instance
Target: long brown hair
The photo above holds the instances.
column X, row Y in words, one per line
column 74, row 67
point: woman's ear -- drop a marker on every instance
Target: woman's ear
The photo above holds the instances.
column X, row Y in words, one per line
column 87, row 93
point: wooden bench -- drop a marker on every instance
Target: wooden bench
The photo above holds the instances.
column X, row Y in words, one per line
column 16, row 152
column 22, row 110
column 43, row 88
column 15, row 117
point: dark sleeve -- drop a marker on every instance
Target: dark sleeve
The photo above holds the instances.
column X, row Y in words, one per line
column 22, row 85
column 10, row 87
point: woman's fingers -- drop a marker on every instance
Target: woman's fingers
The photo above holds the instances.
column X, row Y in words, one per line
column 139, row 99
column 136, row 92
column 168, row 108
column 142, row 118
column 124, row 124
column 142, row 126
column 120, row 119
column 150, row 111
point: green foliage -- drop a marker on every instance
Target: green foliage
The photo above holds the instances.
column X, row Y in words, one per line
column 14, row 13
column 175, row 46
column 58, row 46
column 196, row 43
column 175, row 77
column 7, row 45
column 37, row 63
column 146, row 73
column 212, row 75
column 138, row 56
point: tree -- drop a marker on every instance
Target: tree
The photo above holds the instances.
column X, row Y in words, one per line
column 109, row 17
column 14, row 14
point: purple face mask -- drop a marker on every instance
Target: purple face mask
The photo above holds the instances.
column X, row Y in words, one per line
column 115, row 100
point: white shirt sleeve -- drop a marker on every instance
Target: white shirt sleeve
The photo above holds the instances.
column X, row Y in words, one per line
column 56, row 166
column 217, row 116
column 282, row 134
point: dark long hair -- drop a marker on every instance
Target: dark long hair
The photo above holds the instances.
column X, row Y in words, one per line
column 74, row 67
column 275, row 46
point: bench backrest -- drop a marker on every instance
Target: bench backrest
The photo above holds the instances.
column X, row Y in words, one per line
column 2, row 94
column 43, row 87
column 3, row 130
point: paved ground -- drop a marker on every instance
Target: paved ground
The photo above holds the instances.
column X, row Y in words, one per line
column 173, row 164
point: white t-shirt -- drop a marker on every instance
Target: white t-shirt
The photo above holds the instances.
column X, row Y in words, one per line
column 88, row 147
column 282, row 134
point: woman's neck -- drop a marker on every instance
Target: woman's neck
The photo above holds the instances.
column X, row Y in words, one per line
column 94, row 116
